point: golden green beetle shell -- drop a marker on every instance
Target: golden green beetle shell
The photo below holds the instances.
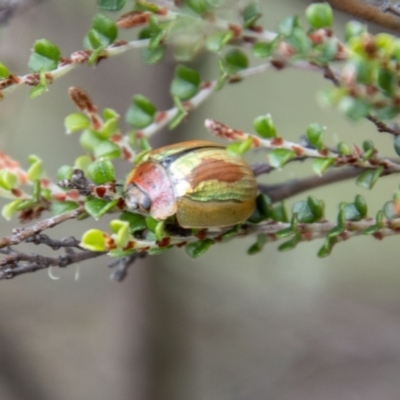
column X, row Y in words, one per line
column 198, row 181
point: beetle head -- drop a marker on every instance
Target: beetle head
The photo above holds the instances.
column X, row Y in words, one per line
column 136, row 199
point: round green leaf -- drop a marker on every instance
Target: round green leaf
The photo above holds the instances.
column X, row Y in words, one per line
column 76, row 122
column 186, row 83
column 236, row 60
column 106, row 150
column 198, row 248
column 93, row 240
column 101, row 172
column 141, row 112
column 319, row 15
column 264, row 126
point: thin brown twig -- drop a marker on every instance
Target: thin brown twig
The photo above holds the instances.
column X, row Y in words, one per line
column 40, row 226
column 382, row 127
column 369, row 12
column 293, row 187
column 19, row 263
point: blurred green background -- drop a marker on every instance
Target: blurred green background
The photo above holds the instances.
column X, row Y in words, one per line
column 276, row 326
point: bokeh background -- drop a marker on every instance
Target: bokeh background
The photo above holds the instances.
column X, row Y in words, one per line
column 279, row 326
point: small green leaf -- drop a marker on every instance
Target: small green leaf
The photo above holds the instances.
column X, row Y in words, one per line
column 240, row 148
column 327, row 247
column 341, row 218
column 35, row 170
column 351, row 212
column 37, row 91
column 216, row 41
column 9, row 209
column 111, row 5
column 186, row 83
column 387, row 80
column 387, row 112
column 354, row 29
column 4, row 72
column 198, row 248
column 365, row 70
column 159, row 230
column 83, row 162
column 287, row 25
column 103, row 33
column 76, row 122
column 397, row 145
column 151, row 223
column 279, row 157
column 308, row 211
column 110, row 127
column 379, row 219
column 278, row 212
column 368, row 178
column 144, row 144
column 107, row 150
column 89, row 139
column 93, row 240
column 261, row 212
column 136, row 222
column 290, row 244
column 154, row 55
column 60, row 207
column 319, row 15
column 177, row 119
column 236, row 60
column 334, row 232
column 101, row 171
column 8, row 180
column 265, row 49
column 258, row 245
column 361, row 205
column 251, row 13
column 283, row 233
column 120, row 231
column 106, row 28
column 98, row 207
column 371, row 230
column 109, row 113
column 391, row 209
column 354, row 108
column 316, row 206
column 300, row 41
column 265, row 127
column 320, row 165
column 141, row 112
column 45, row 56
column 64, row 172
column 314, row 135
column 343, row 149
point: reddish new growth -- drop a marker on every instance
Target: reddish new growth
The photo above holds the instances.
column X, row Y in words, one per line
column 160, row 116
column 126, row 154
column 80, row 57
column 318, row 36
column 224, row 131
column 164, row 242
column 298, row 151
column 82, row 100
column 13, row 166
column 32, row 79
column 236, row 30
column 134, row 18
